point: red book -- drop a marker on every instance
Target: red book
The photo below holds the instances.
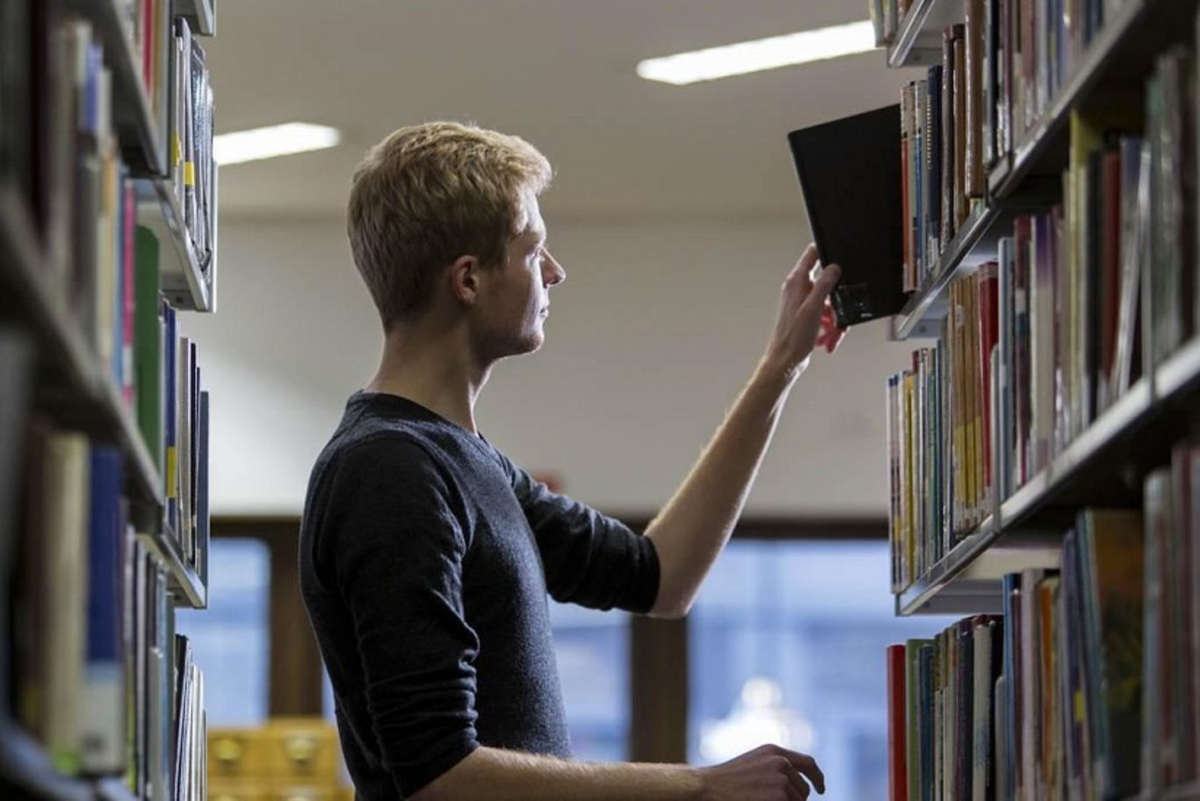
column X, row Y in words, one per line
column 897, row 725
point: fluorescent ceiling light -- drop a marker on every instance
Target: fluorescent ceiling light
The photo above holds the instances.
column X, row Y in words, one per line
column 276, row 140
column 760, row 54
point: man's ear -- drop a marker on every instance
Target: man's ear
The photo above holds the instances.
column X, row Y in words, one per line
column 464, row 280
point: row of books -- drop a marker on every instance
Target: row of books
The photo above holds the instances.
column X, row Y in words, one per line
column 942, row 148
column 1086, row 688
column 1038, row 343
column 1000, row 71
column 91, row 666
column 193, row 169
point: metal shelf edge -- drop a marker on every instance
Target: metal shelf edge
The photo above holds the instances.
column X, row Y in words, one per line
column 1022, row 158
column 192, row 293
column 910, row 30
column 190, row 591
column 953, row 259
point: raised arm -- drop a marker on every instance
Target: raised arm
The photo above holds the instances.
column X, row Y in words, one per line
column 694, row 526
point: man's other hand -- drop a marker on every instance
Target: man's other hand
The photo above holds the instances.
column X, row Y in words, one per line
column 805, row 316
column 768, row 773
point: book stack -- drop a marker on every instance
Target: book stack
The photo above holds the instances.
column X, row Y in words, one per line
column 103, row 424
column 193, row 170
column 940, row 432
column 1171, row 631
column 1040, row 342
column 942, row 147
column 1089, row 692
column 941, row 697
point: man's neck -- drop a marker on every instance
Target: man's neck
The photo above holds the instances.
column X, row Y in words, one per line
column 436, row 371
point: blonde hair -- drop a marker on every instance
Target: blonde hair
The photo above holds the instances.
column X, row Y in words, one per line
column 428, row 194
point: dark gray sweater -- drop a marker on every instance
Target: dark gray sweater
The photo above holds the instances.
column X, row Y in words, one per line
column 425, row 561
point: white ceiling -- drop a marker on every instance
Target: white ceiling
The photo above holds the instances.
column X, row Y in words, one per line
column 558, row 72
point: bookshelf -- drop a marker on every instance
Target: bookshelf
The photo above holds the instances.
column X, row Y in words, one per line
column 103, row 460
column 1042, row 474
column 184, row 283
column 919, row 39
column 142, row 143
column 1017, row 182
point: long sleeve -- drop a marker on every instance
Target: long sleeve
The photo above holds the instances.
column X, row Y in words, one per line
column 590, row 559
column 397, row 554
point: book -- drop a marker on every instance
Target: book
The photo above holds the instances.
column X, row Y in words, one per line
column 16, row 376
column 897, row 720
column 102, row 736
column 850, row 179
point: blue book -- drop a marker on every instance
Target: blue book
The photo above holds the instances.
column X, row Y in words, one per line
column 1011, row 598
column 102, row 720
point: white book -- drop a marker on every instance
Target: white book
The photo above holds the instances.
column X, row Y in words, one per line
column 64, row 640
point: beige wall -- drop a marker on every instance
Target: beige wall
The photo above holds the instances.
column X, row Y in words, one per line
column 648, row 341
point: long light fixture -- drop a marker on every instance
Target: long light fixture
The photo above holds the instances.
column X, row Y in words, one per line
column 760, row 54
column 276, row 140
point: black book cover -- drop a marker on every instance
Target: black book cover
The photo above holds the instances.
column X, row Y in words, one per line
column 849, row 172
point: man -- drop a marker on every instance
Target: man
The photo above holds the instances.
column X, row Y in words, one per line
column 427, row 555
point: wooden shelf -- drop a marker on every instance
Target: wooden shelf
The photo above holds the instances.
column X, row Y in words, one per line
column 142, row 142
column 184, row 284
column 1093, row 469
column 76, row 389
column 919, row 37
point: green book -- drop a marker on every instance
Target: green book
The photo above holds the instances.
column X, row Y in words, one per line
column 147, row 336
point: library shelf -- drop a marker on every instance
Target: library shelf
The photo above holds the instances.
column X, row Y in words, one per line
column 1044, row 150
column 201, row 13
column 142, row 144
column 929, row 302
column 26, row 768
column 80, row 393
column 1029, row 180
column 919, row 35
column 186, row 585
column 184, row 284
column 1100, row 466
column 967, row 579
column 113, row 788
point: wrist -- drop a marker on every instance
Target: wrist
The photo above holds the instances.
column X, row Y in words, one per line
column 777, row 373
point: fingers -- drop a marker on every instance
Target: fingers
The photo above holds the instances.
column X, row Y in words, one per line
column 824, row 284
column 807, row 766
column 802, row 272
column 798, row 789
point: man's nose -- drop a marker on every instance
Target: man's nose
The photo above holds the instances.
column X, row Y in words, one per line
column 553, row 272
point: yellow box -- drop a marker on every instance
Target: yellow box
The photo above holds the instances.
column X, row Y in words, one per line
column 236, row 753
column 306, row 792
column 239, row 790
column 304, row 749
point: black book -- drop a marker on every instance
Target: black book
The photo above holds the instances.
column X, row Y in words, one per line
column 849, row 172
